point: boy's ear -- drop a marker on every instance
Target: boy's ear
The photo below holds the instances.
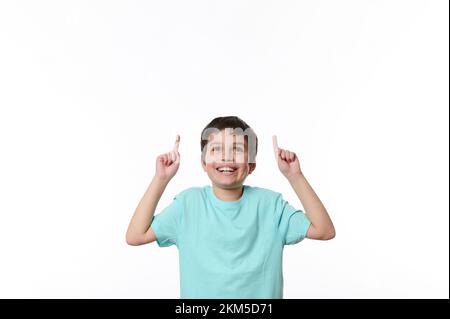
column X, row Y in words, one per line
column 252, row 167
column 203, row 162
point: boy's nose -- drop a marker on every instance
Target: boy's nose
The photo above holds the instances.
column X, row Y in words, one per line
column 228, row 155
column 228, row 159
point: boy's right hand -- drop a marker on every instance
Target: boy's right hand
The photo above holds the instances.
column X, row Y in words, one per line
column 167, row 164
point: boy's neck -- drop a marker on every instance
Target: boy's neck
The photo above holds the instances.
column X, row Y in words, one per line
column 228, row 195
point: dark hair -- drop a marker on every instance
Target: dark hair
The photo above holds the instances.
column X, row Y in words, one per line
column 234, row 122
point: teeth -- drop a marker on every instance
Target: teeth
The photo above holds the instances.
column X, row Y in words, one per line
column 226, row 169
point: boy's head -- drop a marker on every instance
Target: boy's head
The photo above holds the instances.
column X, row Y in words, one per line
column 229, row 147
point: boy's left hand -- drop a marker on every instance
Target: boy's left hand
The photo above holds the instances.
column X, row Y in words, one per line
column 288, row 162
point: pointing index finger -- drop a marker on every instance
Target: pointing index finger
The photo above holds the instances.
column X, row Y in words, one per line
column 177, row 143
column 275, row 144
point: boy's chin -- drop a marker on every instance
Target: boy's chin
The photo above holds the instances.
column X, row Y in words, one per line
column 226, row 182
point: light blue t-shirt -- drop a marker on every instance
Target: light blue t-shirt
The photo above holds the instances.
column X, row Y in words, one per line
column 230, row 249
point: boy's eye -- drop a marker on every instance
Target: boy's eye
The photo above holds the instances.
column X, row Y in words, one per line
column 236, row 149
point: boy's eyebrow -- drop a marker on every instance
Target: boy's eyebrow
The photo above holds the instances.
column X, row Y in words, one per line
column 235, row 143
column 214, row 143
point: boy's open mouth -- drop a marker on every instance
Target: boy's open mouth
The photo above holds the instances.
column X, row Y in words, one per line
column 226, row 170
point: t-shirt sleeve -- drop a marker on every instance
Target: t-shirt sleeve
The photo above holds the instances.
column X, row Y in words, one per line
column 293, row 224
column 166, row 224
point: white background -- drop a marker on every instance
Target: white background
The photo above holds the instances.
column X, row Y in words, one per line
column 92, row 91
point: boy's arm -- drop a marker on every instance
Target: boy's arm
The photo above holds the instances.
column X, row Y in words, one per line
column 321, row 225
column 139, row 231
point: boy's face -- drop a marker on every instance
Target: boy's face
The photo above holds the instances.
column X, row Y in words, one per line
column 226, row 159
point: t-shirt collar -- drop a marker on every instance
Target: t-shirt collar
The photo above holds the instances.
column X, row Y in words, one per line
column 227, row 204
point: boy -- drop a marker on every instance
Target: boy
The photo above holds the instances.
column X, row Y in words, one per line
column 230, row 236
